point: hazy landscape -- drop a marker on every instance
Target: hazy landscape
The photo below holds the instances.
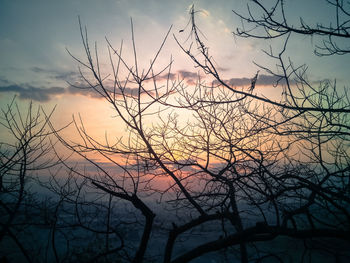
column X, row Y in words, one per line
column 172, row 131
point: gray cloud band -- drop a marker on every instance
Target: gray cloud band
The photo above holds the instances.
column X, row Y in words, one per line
column 42, row 94
column 46, row 94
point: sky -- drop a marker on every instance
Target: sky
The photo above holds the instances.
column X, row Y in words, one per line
column 35, row 36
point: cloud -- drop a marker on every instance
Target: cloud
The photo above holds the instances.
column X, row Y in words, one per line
column 33, row 93
column 69, row 76
column 191, row 78
column 45, row 94
column 42, row 94
column 238, row 82
column 263, row 80
column 166, row 76
column 188, row 76
column 41, row 70
column 4, row 81
column 266, row 80
column 89, row 92
column 222, row 69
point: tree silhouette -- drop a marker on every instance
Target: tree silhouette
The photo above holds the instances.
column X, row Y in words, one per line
column 231, row 167
column 312, row 119
column 257, row 169
column 273, row 21
column 24, row 150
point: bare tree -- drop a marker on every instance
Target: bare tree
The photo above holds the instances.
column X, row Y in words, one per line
column 24, row 150
column 274, row 21
column 249, row 168
column 308, row 187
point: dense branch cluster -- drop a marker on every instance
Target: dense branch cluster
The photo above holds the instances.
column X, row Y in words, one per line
column 249, row 168
column 274, row 22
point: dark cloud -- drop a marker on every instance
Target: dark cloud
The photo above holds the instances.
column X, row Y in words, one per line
column 69, row 76
column 33, row 93
column 191, row 78
column 171, row 76
column 238, row 82
column 266, row 80
column 89, row 92
column 45, row 94
column 41, row 94
column 4, row 81
column 263, row 80
column 188, row 76
column 41, row 70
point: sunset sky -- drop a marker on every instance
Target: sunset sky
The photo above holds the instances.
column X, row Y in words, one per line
column 34, row 36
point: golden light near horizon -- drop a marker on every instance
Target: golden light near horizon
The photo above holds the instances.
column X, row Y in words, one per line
column 232, row 57
column 173, row 131
column 102, row 122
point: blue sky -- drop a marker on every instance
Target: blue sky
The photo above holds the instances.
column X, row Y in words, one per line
column 34, row 36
